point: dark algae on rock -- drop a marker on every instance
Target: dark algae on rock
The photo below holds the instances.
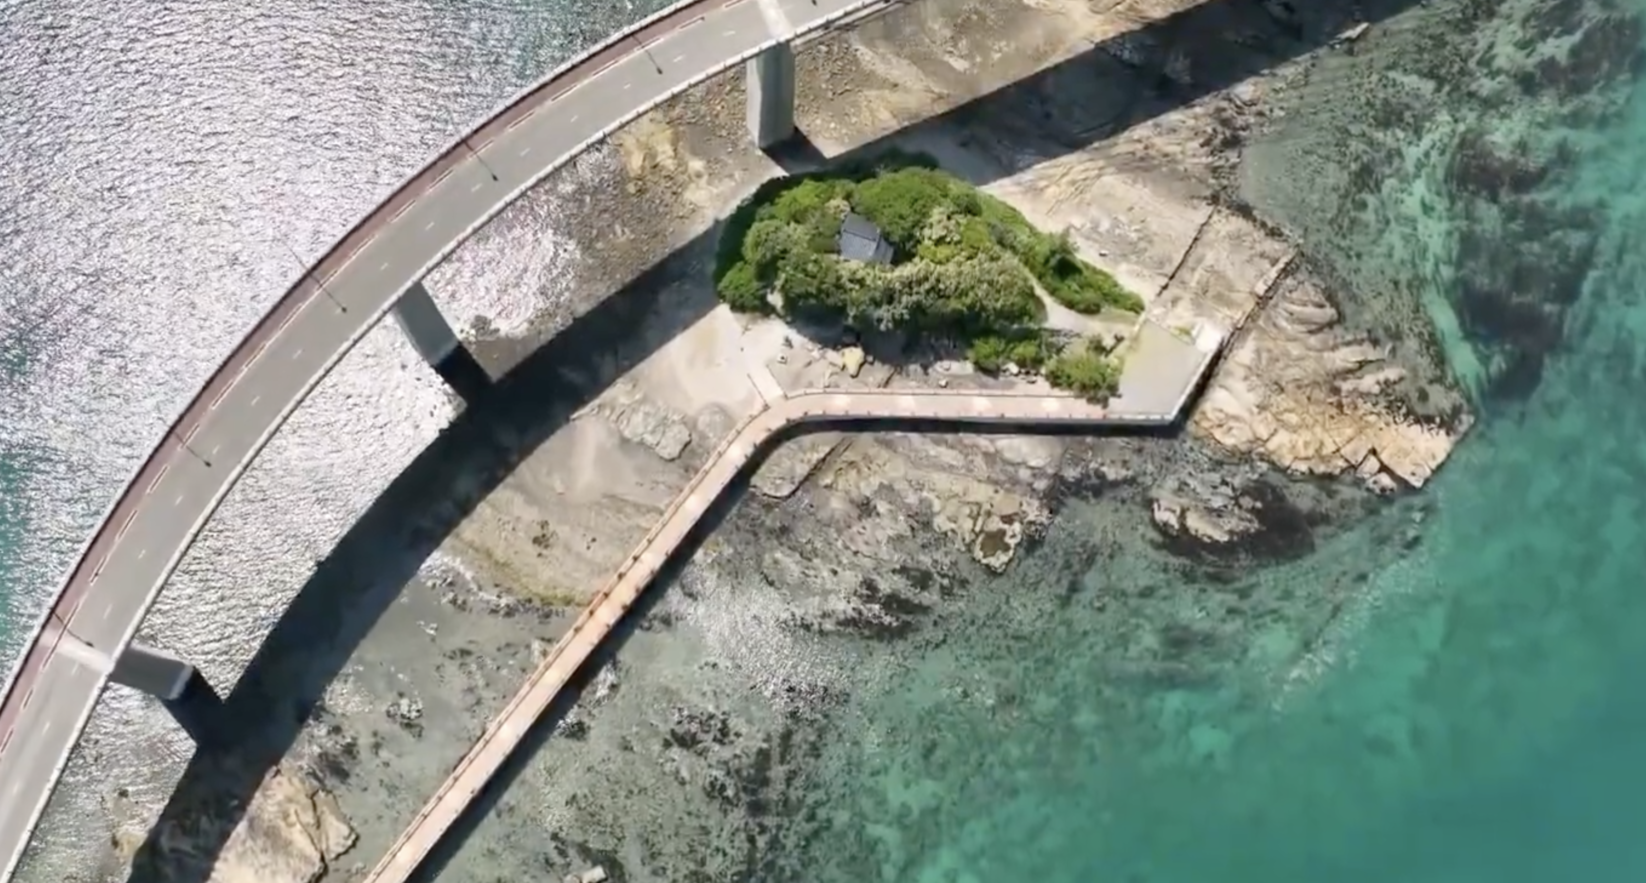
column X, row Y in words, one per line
column 1494, row 102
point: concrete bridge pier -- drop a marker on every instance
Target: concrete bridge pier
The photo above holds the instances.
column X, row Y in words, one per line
column 771, row 96
column 433, row 338
column 179, row 686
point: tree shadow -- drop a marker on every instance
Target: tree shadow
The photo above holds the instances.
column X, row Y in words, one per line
column 281, row 687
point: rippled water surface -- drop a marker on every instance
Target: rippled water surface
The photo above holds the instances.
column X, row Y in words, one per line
column 169, row 169
column 1473, row 714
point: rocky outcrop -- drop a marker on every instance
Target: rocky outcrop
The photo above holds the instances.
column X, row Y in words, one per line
column 1216, row 518
column 1300, row 391
column 954, row 484
column 643, row 421
column 292, row 832
column 788, row 465
column 1193, row 521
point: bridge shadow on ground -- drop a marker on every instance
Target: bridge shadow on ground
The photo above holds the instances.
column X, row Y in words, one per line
column 281, row 688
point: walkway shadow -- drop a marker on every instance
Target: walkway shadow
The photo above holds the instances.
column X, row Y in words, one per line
column 336, row 608
column 544, row 728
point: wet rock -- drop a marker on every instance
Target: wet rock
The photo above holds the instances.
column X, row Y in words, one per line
column 406, row 711
column 1256, row 521
column 698, row 730
column 1606, row 52
column 1521, row 263
column 337, row 751
column 997, row 538
column 574, row 726
column 878, row 612
column 1181, row 519
column 1480, row 167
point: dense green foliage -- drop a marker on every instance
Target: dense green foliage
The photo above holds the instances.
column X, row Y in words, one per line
column 1028, row 351
column 963, row 262
column 931, row 219
column 1086, row 369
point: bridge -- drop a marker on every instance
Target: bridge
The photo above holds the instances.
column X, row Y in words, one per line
column 85, row 641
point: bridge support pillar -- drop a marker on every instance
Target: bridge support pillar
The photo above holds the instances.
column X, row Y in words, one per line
column 433, row 338
column 771, row 96
column 177, row 684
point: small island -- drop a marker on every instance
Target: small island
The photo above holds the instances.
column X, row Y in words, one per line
column 898, row 244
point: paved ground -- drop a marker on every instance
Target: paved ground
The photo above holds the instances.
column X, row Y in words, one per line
column 1168, row 368
column 284, row 357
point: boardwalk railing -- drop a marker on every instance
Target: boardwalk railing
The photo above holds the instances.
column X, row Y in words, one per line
column 613, row 601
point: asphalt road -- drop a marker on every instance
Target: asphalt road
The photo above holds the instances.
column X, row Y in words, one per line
column 158, row 516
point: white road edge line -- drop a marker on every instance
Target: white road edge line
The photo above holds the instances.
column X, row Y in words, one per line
column 33, row 819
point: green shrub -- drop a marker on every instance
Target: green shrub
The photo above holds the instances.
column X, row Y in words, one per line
column 1052, row 259
column 967, row 262
column 769, row 244
column 813, row 282
column 1030, row 352
column 1071, row 281
column 900, row 203
column 805, row 201
column 1083, row 368
column 991, row 352
column 729, row 249
column 742, row 290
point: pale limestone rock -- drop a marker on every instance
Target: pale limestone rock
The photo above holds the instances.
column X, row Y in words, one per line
column 643, row 421
column 791, row 463
column 1179, row 517
column 852, row 359
column 292, row 832
column 1296, row 390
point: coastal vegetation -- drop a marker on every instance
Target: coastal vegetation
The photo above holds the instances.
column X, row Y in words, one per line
column 940, row 257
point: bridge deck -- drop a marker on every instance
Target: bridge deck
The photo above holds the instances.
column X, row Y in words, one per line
column 154, row 521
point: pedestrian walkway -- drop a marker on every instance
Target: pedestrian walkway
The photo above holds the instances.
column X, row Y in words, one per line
column 1164, row 369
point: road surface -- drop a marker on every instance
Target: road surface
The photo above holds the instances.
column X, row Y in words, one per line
column 1163, row 371
column 156, row 518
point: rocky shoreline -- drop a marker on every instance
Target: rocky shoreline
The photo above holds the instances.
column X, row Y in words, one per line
column 695, row 745
column 1504, row 228
column 731, row 685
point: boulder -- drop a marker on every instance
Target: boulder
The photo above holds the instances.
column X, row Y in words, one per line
column 291, row 832
column 852, row 359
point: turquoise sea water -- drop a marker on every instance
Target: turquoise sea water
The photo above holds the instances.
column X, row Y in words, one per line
column 1468, row 712
column 1472, row 709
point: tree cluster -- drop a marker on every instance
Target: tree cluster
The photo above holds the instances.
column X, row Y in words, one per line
column 963, row 263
